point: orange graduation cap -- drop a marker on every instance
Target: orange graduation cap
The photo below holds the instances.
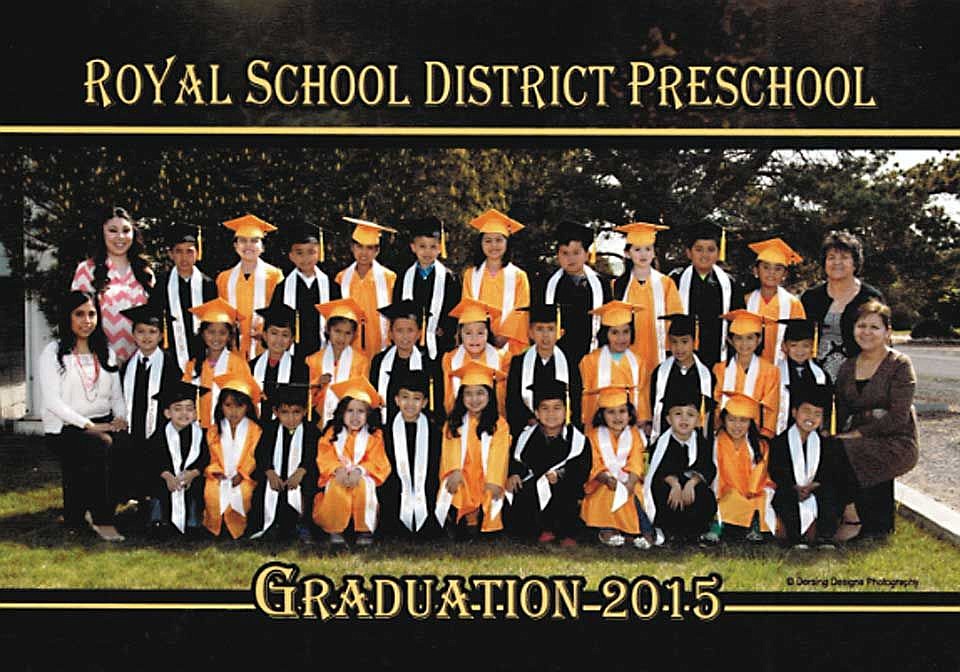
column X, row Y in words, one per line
column 641, row 234
column 742, row 405
column 249, row 226
column 477, row 373
column 347, row 308
column 241, row 382
column 744, row 322
column 775, row 251
column 217, row 310
column 494, row 221
column 471, row 310
column 367, row 233
column 615, row 313
column 516, row 327
column 357, row 388
column 611, row 396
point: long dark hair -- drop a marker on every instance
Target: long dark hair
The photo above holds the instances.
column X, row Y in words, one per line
column 67, row 340
column 753, row 436
column 136, row 256
column 240, row 398
column 337, row 424
column 631, row 409
column 488, row 416
column 479, row 257
column 603, row 334
column 232, row 343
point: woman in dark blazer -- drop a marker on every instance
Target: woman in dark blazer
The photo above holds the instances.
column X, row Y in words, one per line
column 833, row 305
column 878, row 421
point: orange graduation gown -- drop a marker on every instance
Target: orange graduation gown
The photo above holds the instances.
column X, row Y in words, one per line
column 334, row 505
column 472, row 494
column 235, row 521
column 766, row 390
column 595, row 509
column 246, row 293
column 491, row 291
column 621, row 374
column 359, row 368
column 502, row 359
column 364, row 292
column 771, row 313
column 645, row 321
column 741, row 484
column 235, row 364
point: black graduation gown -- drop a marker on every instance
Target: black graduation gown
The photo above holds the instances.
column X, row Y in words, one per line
column 159, row 297
column 388, row 494
column 679, row 380
column 400, row 368
column 690, row 521
column 562, row 513
column 575, row 318
column 299, row 373
column 286, row 518
column 802, row 374
column 423, row 297
column 706, row 303
column 518, row 414
column 307, row 299
column 159, row 461
column 785, row 500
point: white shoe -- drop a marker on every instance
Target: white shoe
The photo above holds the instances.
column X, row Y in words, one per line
column 659, row 538
column 616, row 539
column 642, row 543
column 337, row 539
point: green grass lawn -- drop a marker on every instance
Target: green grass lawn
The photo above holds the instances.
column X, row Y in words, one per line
column 36, row 553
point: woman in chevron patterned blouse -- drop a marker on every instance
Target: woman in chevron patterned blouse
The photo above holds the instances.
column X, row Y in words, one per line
column 120, row 275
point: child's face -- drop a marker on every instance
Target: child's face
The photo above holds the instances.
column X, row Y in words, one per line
column 216, row 335
column 642, row 256
column 290, row 415
column 181, row 413
column 737, row 426
column 682, row 348
column 473, row 335
column 147, row 337
column 799, row 351
column 618, row 337
column 683, row 420
column 233, row 410
column 572, row 257
column 475, row 398
column 745, row 344
column 617, row 418
column 544, row 335
column 552, row 415
column 305, row 256
column 249, row 249
column 703, row 255
column 364, row 254
column 355, row 415
column 426, row 249
column 405, row 333
column 341, row 333
column 770, row 275
column 184, row 257
column 410, row 403
column 278, row 339
column 808, row 417
column 494, row 245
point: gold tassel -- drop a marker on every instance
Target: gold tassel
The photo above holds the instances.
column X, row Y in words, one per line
column 703, row 413
column 568, row 406
column 833, row 417
column 593, row 253
column 296, row 327
column 696, row 333
column 723, row 245
column 443, row 242
column 199, row 242
column 166, row 340
column 558, row 320
column 431, row 393
column 423, row 329
column 322, row 256
column 816, row 339
column 309, row 402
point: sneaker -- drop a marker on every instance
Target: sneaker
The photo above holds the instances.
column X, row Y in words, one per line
column 801, row 547
column 659, row 538
column 611, row 538
column 337, row 539
column 711, row 538
column 546, row 537
column 826, row 545
column 754, row 536
column 364, row 539
column 568, row 542
column 642, row 543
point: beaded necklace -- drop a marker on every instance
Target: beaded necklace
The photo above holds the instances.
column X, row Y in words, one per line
column 89, row 384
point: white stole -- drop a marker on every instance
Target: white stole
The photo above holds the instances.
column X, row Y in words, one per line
column 283, row 369
column 615, row 459
column 339, row 372
column 725, row 296
column 294, row 496
column 290, row 294
column 231, row 496
column 413, row 499
column 436, row 301
column 605, row 371
column 178, row 499
column 259, row 294
column 359, row 450
column 444, row 498
column 219, row 369
column 153, row 387
column 560, row 372
column 730, row 379
column 577, row 443
column 663, row 375
column 784, row 304
column 649, row 505
column 509, row 298
column 804, row 471
column 180, row 339
column 783, row 412
column 659, row 308
column 383, row 295
column 491, row 358
column 386, row 368
column 596, row 290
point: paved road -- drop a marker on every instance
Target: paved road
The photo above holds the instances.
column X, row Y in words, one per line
column 934, row 361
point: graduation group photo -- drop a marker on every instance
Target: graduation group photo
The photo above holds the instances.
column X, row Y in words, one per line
column 323, row 349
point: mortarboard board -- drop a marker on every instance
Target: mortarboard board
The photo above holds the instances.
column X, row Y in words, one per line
column 300, row 234
column 516, row 327
column 810, row 393
column 551, row 389
column 293, row 394
column 567, row 231
column 240, row 382
column 181, row 233
column 146, row 313
column 775, row 251
column 404, row 309
column 611, row 396
column 680, row 324
column 347, row 308
column 249, row 226
column 541, row 312
column 616, row 313
column 179, row 391
column 216, row 310
column 685, row 395
column 704, row 230
column 744, row 321
column 471, row 310
column 357, row 388
column 413, row 380
column 424, row 226
column 742, row 405
column 798, row 329
column 476, row 373
column 367, row 233
column 279, row 315
column 641, row 234
column 494, row 221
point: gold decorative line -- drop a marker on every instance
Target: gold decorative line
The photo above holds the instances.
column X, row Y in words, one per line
column 122, row 606
column 485, row 131
column 840, row 609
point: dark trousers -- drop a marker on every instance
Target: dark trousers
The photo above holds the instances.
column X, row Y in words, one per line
column 690, row 521
column 786, row 504
column 561, row 515
column 85, row 464
column 876, row 508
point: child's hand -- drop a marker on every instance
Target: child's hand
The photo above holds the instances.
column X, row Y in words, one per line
column 325, row 379
column 236, row 480
column 552, row 477
column 274, row 481
column 186, row 478
column 172, row 484
column 495, row 490
column 607, row 479
column 353, row 478
column 675, row 498
column 294, row 481
column 340, row 476
column 514, row 484
column 632, row 480
column 256, row 326
column 689, row 492
column 454, row 480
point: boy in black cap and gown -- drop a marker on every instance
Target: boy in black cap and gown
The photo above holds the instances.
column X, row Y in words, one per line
column 798, row 367
column 275, row 365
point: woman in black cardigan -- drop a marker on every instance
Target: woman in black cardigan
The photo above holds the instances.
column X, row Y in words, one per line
column 833, row 305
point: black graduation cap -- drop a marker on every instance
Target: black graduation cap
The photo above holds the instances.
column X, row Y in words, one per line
column 405, row 309
column 541, row 312
column 179, row 391
column 424, row 226
column 810, row 393
column 680, row 324
column 293, row 394
column 704, row 230
column 567, row 231
column 686, row 395
column 798, row 329
column 279, row 315
column 552, row 389
column 301, row 233
column 181, row 233
column 414, row 380
column 147, row 313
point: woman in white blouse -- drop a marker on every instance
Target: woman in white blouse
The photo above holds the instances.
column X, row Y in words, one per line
column 82, row 408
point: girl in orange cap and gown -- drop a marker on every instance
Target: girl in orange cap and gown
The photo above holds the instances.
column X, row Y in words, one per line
column 771, row 300
column 338, row 360
column 475, row 318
